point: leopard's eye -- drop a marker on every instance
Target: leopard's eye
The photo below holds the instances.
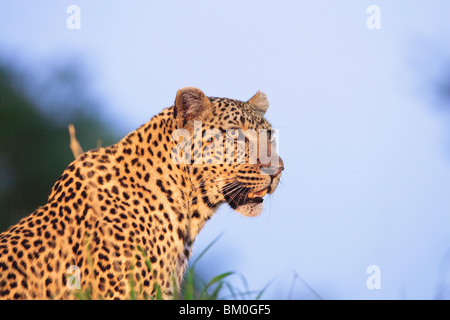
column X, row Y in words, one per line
column 269, row 135
column 234, row 133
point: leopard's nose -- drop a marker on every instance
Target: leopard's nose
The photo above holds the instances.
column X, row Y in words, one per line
column 277, row 171
column 273, row 171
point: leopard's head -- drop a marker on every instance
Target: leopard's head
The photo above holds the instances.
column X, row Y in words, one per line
column 231, row 154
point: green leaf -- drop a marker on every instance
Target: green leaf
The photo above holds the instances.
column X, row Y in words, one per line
column 215, row 294
column 132, row 284
column 158, row 292
column 190, row 286
column 216, row 279
column 262, row 291
column 146, row 260
column 231, row 289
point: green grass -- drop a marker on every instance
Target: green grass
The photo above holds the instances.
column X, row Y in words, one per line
column 218, row 287
column 192, row 287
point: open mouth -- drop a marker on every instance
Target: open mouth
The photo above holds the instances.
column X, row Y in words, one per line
column 258, row 194
column 239, row 196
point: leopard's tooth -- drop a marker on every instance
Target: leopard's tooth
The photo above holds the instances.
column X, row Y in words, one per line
column 257, row 194
column 251, row 195
column 262, row 193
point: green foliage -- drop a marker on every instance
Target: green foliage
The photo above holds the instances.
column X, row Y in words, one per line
column 219, row 287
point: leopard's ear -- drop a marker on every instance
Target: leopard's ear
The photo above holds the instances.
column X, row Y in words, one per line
column 192, row 104
column 259, row 102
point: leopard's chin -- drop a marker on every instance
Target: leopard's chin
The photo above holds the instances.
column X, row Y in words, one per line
column 250, row 209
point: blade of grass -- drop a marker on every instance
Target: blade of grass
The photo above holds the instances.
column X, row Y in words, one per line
column 189, row 286
column 246, row 287
column 158, row 292
column 215, row 280
column 215, row 294
column 231, row 289
column 146, row 260
column 132, row 284
column 263, row 290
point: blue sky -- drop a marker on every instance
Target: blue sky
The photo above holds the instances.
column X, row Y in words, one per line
column 367, row 176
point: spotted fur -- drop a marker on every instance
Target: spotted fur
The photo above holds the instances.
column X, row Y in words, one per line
column 111, row 203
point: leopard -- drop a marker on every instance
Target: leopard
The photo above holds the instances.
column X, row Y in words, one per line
column 126, row 216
